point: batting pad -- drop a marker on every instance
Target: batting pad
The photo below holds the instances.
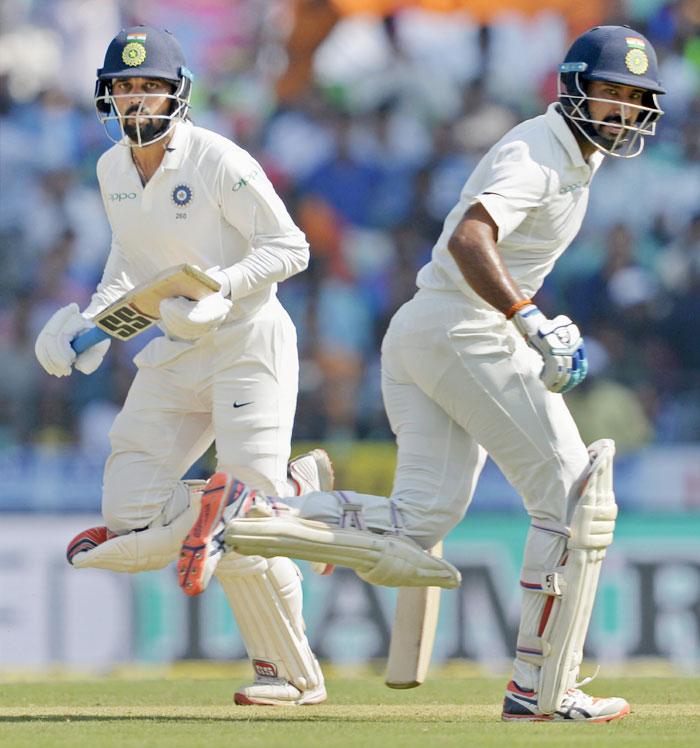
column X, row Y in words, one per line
column 144, row 550
column 388, row 560
column 265, row 597
column 572, row 585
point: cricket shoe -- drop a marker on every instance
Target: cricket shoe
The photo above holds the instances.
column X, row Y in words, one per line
column 203, row 545
column 87, row 540
column 520, row 705
column 267, row 691
column 309, row 472
column 312, row 471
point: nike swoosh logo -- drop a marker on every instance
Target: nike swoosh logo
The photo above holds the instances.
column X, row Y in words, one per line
column 236, row 404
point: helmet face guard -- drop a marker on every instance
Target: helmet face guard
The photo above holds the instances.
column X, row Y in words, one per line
column 620, row 56
column 139, row 127
column 142, row 52
column 629, row 141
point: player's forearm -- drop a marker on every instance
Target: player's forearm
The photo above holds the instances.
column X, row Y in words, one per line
column 114, row 283
column 473, row 247
column 273, row 262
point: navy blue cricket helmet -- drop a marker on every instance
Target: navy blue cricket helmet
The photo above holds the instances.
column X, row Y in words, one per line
column 144, row 52
column 620, row 55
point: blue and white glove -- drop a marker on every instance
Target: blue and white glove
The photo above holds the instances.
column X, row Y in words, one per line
column 560, row 344
column 53, row 346
column 189, row 320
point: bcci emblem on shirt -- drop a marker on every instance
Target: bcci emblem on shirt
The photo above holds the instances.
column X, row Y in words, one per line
column 182, row 195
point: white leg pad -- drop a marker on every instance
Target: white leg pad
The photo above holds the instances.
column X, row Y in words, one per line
column 571, row 586
column 389, row 560
column 144, row 550
column 266, row 599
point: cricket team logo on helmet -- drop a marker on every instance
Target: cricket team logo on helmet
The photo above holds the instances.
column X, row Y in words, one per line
column 617, row 54
column 143, row 52
column 134, row 54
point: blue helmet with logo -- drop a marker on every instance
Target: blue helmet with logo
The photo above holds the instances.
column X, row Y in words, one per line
column 620, row 55
column 144, row 52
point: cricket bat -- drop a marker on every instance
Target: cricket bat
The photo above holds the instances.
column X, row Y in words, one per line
column 138, row 309
column 413, row 634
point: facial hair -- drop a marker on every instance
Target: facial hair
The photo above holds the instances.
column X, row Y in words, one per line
column 611, row 138
column 148, row 129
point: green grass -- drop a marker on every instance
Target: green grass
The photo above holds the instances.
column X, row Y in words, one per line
column 191, row 705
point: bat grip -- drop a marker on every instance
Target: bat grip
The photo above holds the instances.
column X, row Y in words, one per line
column 87, row 339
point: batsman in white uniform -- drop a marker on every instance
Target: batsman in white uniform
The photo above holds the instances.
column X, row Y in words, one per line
column 470, row 367
column 226, row 369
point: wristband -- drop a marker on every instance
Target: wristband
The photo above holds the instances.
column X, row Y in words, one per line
column 517, row 307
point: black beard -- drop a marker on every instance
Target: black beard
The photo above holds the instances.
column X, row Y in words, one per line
column 610, row 138
column 148, row 131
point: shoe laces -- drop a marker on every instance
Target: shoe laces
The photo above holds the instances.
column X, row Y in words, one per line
column 217, row 542
column 575, row 693
column 587, row 680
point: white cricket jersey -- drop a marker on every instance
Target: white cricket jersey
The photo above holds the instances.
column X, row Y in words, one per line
column 209, row 204
column 534, row 183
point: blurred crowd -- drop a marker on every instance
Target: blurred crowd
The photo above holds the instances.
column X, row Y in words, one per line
column 369, row 158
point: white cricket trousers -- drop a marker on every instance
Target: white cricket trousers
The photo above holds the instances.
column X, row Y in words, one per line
column 237, row 385
column 459, row 383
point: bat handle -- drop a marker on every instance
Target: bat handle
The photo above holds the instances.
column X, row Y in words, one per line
column 87, row 339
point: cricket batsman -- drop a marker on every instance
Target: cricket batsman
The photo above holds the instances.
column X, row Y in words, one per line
column 470, row 367
column 226, row 370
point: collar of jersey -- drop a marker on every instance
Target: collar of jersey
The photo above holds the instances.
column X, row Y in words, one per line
column 177, row 147
column 558, row 125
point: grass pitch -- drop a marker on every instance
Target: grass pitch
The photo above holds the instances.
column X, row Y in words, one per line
column 191, row 706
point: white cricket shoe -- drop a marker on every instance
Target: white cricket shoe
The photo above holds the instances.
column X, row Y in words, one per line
column 520, row 705
column 268, row 691
column 312, row 471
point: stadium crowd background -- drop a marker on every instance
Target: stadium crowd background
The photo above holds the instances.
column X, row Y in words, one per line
column 369, row 153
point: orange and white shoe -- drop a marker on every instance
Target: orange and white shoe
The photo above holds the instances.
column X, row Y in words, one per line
column 203, row 546
column 87, row 540
column 520, row 705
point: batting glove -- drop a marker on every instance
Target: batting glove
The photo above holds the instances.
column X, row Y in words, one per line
column 53, row 346
column 560, row 344
column 188, row 320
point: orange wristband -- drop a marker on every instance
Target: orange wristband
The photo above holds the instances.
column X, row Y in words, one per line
column 517, row 307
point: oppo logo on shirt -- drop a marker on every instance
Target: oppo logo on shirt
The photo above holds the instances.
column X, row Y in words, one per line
column 244, row 180
column 118, row 197
column 572, row 187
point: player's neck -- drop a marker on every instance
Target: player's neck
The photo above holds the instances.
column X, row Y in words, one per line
column 587, row 148
column 148, row 158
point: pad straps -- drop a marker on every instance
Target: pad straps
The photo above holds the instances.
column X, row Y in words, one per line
column 351, row 516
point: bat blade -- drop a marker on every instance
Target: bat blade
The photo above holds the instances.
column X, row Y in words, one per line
column 413, row 634
column 138, row 309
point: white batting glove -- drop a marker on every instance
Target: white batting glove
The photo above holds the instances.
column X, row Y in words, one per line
column 560, row 344
column 189, row 320
column 53, row 346
column 222, row 279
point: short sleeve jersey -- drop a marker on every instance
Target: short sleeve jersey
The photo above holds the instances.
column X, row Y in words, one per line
column 209, row 204
column 534, row 184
